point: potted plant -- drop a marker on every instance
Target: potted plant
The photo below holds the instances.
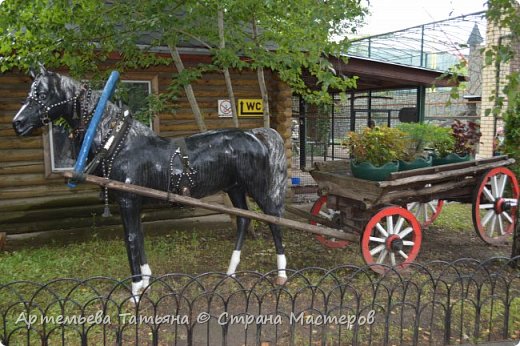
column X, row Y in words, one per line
column 419, row 135
column 375, row 152
column 457, row 143
column 467, row 137
column 442, row 145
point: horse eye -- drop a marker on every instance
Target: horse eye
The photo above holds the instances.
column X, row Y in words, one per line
column 42, row 96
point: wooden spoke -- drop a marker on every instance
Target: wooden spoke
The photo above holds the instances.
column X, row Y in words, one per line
column 321, row 209
column 494, row 201
column 391, row 238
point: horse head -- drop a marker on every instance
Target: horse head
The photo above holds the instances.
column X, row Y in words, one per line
column 51, row 96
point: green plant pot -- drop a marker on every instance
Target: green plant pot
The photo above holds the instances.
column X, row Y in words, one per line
column 450, row 158
column 420, row 162
column 366, row 170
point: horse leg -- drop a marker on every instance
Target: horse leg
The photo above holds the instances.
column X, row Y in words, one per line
column 271, row 208
column 238, row 198
column 281, row 261
column 130, row 215
column 146, row 272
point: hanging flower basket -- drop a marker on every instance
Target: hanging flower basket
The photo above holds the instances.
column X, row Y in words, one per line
column 366, row 170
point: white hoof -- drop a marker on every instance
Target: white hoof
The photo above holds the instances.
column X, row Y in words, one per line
column 146, row 274
column 137, row 289
column 233, row 263
column 281, row 262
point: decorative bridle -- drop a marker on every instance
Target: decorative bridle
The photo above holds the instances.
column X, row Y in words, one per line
column 45, row 109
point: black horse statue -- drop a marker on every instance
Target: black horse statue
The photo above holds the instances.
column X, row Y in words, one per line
column 238, row 162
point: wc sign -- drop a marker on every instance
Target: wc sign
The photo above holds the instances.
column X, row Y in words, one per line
column 250, row 108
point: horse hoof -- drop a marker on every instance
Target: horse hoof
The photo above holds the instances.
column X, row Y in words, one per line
column 133, row 301
column 280, row 280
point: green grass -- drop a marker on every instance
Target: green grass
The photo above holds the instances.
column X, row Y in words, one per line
column 455, row 217
column 196, row 250
column 181, row 251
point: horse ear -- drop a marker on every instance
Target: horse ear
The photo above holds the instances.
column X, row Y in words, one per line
column 33, row 72
column 43, row 70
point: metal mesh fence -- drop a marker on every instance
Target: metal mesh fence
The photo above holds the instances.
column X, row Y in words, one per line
column 324, row 129
column 438, row 45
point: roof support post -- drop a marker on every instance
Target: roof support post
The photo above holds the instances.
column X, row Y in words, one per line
column 369, row 104
column 352, row 112
column 302, row 132
column 421, row 102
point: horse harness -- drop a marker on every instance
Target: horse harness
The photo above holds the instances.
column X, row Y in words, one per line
column 44, row 116
column 180, row 181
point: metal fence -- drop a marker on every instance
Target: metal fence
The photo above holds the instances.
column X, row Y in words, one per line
column 466, row 301
column 317, row 134
column 438, row 45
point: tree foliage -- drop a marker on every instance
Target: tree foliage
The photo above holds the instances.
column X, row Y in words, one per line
column 294, row 35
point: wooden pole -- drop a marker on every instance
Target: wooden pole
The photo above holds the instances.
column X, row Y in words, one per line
column 190, row 95
column 3, row 240
column 227, row 76
column 173, row 198
column 261, row 82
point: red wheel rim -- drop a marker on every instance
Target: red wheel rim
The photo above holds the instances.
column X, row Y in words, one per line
column 320, row 209
column 494, row 206
column 391, row 237
column 426, row 213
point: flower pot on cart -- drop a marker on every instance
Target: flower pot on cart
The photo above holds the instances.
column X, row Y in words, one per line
column 419, row 162
column 450, row 158
column 366, row 170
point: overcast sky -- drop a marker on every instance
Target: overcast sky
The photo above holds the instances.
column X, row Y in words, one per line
column 392, row 15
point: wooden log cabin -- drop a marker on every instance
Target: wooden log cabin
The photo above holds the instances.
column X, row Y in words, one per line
column 34, row 198
column 33, row 195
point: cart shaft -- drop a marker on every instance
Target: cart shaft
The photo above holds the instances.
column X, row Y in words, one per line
column 174, row 198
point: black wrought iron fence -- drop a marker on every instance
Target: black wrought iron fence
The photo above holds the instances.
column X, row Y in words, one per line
column 465, row 301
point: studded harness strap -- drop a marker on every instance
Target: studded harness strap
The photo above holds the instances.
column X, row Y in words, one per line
column 111, row 144
column 182, row 182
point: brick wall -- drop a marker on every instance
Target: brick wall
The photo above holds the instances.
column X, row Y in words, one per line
column 493, row 81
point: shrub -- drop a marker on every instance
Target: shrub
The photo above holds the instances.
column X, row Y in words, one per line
column 467, row 136
column 420, row 135
column 378, row 145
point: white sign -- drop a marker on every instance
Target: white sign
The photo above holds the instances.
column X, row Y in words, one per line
column 224, row 109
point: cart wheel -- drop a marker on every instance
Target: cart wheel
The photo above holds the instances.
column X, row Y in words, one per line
column 426, row 213
column 320, row 209
column 391, row 237
column 494, row 206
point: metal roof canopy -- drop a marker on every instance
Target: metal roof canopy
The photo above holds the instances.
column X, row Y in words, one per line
column 376, row 75
column 373, row 74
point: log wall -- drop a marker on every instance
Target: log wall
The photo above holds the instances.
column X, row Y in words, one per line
column 33, row 200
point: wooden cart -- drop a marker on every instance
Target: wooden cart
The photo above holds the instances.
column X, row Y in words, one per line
column 388, row 215
column 377, row 213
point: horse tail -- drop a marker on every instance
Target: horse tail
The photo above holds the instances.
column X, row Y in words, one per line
column 277, row 180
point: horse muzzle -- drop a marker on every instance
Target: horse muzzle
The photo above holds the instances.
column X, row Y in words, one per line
column 22, row 130
column 21, row 124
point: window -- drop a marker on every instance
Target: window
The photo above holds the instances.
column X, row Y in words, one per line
column 61, row 152
column 133, row 94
